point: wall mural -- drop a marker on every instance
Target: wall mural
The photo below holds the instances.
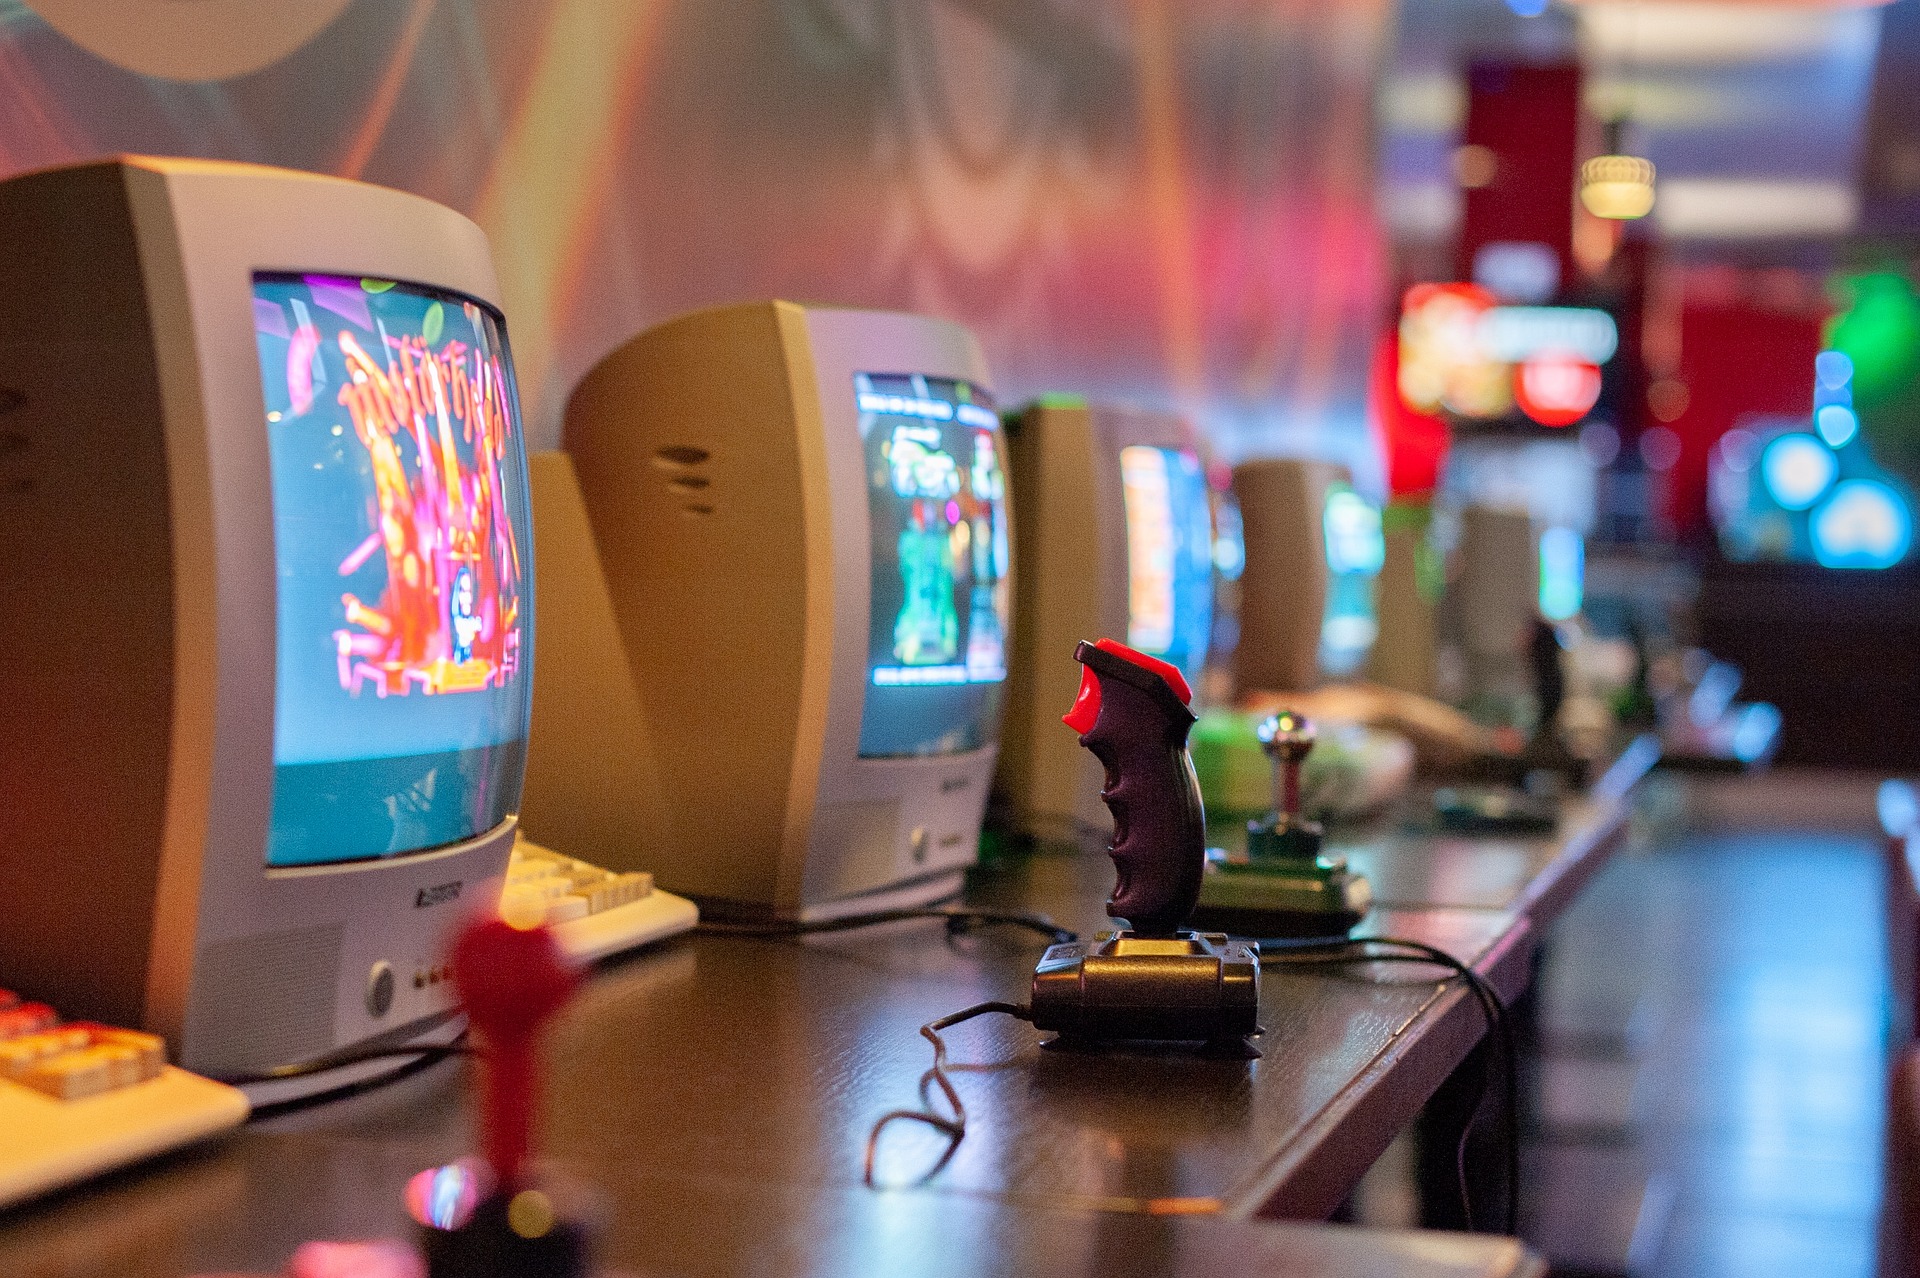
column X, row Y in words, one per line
column 1156, row 201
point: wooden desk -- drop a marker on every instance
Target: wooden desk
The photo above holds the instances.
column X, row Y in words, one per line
column 718, row 1091
column 242, row 1209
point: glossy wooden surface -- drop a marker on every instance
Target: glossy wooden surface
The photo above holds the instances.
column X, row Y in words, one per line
column 716, row 1093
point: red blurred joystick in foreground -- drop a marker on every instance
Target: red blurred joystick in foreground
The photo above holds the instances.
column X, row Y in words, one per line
column 512, row 981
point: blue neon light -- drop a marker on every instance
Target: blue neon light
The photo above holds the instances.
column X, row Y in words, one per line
column 1865, row 524
column 1836, row 424
column 1797, row 469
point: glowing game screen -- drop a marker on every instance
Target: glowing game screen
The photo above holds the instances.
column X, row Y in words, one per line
column 400, row 513
column 1355, row 548
column 942, row 599
column 1170, row 555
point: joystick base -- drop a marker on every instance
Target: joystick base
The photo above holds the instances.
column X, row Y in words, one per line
column 1183, row 987
column 1278, row 897
column 489, row 1246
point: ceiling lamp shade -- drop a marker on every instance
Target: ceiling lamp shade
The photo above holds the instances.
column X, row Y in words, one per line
column 1617, row 186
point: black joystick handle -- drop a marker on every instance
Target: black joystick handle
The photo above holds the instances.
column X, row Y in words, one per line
column 1549, row 681
column 1132, row 712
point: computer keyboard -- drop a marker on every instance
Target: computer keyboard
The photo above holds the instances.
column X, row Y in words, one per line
column 79, row 1098
column 593, row 912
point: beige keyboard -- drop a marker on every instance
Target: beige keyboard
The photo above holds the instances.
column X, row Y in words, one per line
column 593, row 912
column 78, row 1099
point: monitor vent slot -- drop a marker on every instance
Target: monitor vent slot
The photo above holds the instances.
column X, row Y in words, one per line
column 686, row 483
column 264, row 1000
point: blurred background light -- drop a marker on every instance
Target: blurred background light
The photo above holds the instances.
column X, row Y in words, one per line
column 1563, row 556
column 1557, row 390
column 1619, row 187
column 1836, row 424
column 1659, row 448
column 1797, row 469
column 1865, row 524
column 1741, row 208
column 1517, row 270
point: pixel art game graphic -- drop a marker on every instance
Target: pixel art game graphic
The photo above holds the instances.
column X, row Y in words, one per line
column 941, row 602
column 399, row 515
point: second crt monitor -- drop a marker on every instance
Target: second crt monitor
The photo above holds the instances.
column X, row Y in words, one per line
column 1116, row 538
column 803, row 518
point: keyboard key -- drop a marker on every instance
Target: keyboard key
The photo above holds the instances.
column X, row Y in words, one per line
column 73, row 1075
column 562, row 909
column 27, row 1018
column 20, row 1055
column 150, row 1050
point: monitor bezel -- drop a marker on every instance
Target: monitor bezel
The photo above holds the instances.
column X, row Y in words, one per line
column 833, row 701
column 205, row 229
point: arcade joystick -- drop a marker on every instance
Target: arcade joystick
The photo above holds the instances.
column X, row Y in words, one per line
column 1284, row 884
column 1522, row 798
column 1154, row 979
column 1547, row 749
column 512, row 980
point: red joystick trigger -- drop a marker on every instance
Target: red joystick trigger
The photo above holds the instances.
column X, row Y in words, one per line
column 512, row 981
column 1086, row 703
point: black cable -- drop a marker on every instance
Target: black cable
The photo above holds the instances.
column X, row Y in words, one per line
column 1293, row 952
column 418, row 1057
column 958, row 921
column 954, row 1128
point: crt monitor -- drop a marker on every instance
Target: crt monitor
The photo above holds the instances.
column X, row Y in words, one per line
column 1314, row 548
column 266, row 519
column 803, row 519
column 1116, row 538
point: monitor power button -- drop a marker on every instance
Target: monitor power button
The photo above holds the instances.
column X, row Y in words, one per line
column 380, row 988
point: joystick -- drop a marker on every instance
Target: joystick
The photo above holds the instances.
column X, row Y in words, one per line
column 1547, row 748
column 1153, row 979
column 512, row 981
column 1285, row 884
column 1523, row 799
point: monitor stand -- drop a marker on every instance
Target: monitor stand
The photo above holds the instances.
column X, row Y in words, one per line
column 436, row 1033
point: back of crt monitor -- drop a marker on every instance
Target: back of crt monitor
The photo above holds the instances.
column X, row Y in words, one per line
column 592, row 778
column 1071, row 531
column 1283, row 587
column 722, row 470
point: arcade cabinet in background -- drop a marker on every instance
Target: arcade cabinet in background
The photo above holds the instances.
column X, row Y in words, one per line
column 1115, row 534
column 803, row 519
column 269, row 536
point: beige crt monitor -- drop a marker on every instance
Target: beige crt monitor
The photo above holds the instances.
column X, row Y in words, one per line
column 267, row 611
column 1494, row 597
column 1406, row 654
column 1284, row 586
column 803, row 520
column 591, row 768
column 1115, row 539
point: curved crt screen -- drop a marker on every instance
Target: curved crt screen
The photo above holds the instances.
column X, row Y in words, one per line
column 1170, row 554
column 400, row 517
column 1356, row 548
column 936, row 501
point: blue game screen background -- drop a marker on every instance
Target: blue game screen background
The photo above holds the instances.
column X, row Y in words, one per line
column 403, row 567
column 941, row 595
column 1170, row 555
